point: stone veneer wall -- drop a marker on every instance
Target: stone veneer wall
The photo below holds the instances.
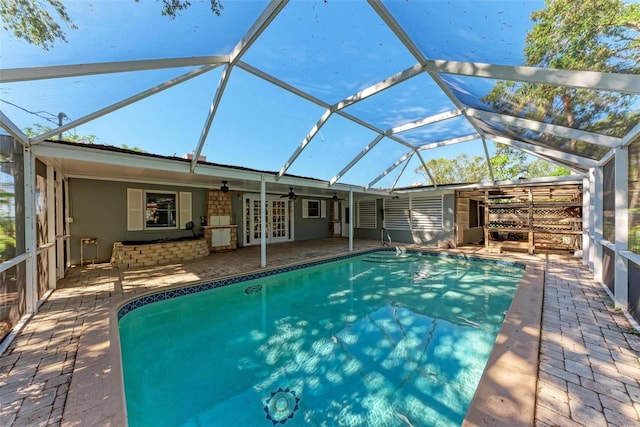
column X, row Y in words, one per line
column 219, row 204
column 135, row 256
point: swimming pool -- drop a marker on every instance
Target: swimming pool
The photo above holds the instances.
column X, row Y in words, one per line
column 375, row 339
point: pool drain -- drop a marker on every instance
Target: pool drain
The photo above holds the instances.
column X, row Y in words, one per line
column 281, row 405
column 254, row 289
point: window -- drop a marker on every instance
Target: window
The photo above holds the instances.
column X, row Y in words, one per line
column 160, row 210
column 419, row 213
column 426, row 213
column 473, row 213
column 367, row 217
column 397, row 214
column 314, row 208
column 157, row 209
column 476, row 213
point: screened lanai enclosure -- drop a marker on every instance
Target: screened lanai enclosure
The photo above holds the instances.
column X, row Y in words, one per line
column 265, row 122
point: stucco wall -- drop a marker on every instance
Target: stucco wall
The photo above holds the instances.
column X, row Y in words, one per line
column 99, row 209
column 310, row 228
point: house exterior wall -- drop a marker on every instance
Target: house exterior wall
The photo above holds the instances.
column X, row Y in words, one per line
column 99, row 209
column 309, row 228
column 415, row 236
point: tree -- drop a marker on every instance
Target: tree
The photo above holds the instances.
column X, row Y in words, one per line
column 172, row 8
column 540, row 168
column 457, row 170
column 38, row 129
column 593, row 35
column 507, row 164
column 40, row 22
column 30, row 20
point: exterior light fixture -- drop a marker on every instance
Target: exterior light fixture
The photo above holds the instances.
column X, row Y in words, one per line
column 224, row 188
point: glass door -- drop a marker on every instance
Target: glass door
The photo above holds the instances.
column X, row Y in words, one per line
column 277, row 220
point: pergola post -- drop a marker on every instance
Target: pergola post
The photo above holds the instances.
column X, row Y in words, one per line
column 350, row 220
column 586, row 219
column 486, row 220
column 51, row 227
column 592, row 215
column 621, row 286
column 530, row 220
column 263, row 222
column 31, row 244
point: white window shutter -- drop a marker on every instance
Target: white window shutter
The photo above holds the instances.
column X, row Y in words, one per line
column 135, row 209
column 367, row 214
column 323, row 208
column 185, row 209
column 305, row 208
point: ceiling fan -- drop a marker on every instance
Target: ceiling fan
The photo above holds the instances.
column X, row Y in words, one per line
column 335, row 197
column 291, row 195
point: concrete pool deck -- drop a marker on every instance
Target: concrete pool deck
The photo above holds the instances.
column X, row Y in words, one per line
column 58, row 370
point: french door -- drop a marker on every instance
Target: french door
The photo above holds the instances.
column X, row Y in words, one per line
column 278, row 226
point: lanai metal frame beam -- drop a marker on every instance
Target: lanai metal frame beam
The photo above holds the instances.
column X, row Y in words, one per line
column 128, row 101
column 261, row 24
column 561, row 131
column 546, row 151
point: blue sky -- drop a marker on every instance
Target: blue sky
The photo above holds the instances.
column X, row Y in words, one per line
column 330, row 50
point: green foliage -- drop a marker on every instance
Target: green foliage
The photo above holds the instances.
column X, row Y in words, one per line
column 598, row 35
column 40, row 22
column 591, row 35
column 35, row 20
column 137, row 149
column 459, row 169
column 172, row 8
column 38, row 129
column 507, row 164
column 7, row 228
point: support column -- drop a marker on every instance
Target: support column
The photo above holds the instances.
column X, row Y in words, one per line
column 586, row 219
column 31, row 244
column 530, row 219
column 263, row 222
column 486, row 220
column 597, row 223
column 51, row 227
column 350, row 220
column 592, row 215
column 60, row 217
column 621, row 285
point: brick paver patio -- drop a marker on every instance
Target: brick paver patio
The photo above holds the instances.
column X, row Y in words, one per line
column 589, row 372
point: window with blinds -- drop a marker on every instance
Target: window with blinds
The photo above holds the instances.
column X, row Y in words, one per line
column 417, row 213
column 397, row 214
column 426, row 213
column 367, row 216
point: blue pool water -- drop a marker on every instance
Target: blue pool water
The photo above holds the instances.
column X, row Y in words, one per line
column 380, row 339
